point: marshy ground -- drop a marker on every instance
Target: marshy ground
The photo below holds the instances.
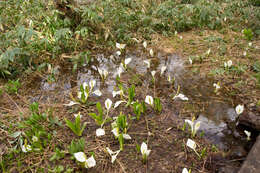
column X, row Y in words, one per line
column 195, row 61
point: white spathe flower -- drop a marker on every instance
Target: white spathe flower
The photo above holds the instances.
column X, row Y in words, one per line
column 169, row 78
column 115, row 131
column 90, row 162
column 175, row 33
column 149, row 100
column 85, row 85
column 151, row 52
column 181, row 37
column 225, row 19
column 208, row 52
column 190, row 60
column 80, row 156
column 228, row 63
column 35, row 139
column 181, row 96
column 248, row 134
column 144, row 150
column 145, row 44
column 185, row 170
column 108, row 104
column 120, row 70
column 127, row 136
column 115, row 93
column 78, row 114
column 113, row 154
column 92, row 84
column 71, row 103
column 217, row 86
column 118, row 103
column 25, row 148
column 105, row 73
column 153, row 73
column 239, row 109
column 100, row 132
column 97, row 92
column 128, row 60
column 194, row 126
column 80, row 94
column 148, row 62
column 250, row 44
column 163, row 68
column 244, row 53
column 120, row 46
column 118, row 53
column 190, row 143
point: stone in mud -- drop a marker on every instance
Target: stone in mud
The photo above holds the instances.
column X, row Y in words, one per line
column 252, row 162
column 250, row 119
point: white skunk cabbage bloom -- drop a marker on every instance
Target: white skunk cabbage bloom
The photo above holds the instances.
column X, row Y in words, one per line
column 153, row 73
column 113, row 154
column 120, row 46
column 92, row 84
column 120, row 70
column 217, row 86
column 103, row 73
column 194, row 126
column 151, row 52
column 228, row 64
column 239, row 109
column 181, row 96
column 244, row 53
column 149, row 100
column 190, row 60
column 118, row 53
column 71, row 103
column 208, row 52
column 118, row 103
column 100, row 132
column 185, row 170
column 78, row 114
column 81, row 157
column 128, row 60
column 248, row 134
column 35, row 139
column 115, row 131
column 190, row 143
column 148, row 63
column 163, row 68
column 25, row 148
column 85, row 85
column 108, row 104
column 115, row 93
column 127, row 136
column 144, row 150
column 250, row 44
column 145, row 44
column 97, row 92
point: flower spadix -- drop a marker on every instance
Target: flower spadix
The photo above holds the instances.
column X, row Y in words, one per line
column 144, row 151
column 113, row 154
column 81, row 157
column 239, row 109
column 194, row 126
column 149, row 100
column 108, row 104
column 153, row 73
